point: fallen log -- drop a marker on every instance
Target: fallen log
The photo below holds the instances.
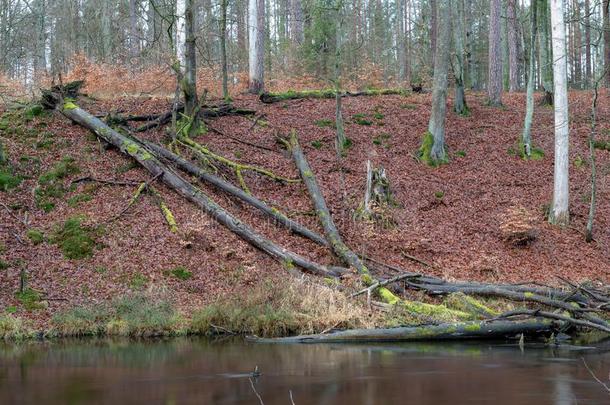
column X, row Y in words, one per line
column 270, row 98
column 229, row 188
column 149, row 161
column 555, row 316
column 448, row 331
column 330, row 230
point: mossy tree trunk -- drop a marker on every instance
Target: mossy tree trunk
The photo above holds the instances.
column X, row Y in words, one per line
column 436, row 153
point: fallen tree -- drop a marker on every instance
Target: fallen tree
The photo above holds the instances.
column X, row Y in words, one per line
column 269, row 98
column 448, row 331
column 148, row 160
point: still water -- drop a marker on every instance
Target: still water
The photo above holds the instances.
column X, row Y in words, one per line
column 198, row 371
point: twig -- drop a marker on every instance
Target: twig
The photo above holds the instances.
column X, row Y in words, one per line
column 416, row 260
column 256, row 392
column 230, row 332
column 291, row 400
column 584, row 289
column 236, row 139
column 373, row 287
column 22, row 221
column 606, row 386
column 255, row 121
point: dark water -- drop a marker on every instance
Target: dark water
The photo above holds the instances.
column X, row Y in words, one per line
column 196, row 371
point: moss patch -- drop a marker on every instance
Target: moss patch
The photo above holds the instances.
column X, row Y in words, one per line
column 50, row 184
column 181, row 273
column 424, row 154
column 30, row 299
column 35, row 236
column 75, row 240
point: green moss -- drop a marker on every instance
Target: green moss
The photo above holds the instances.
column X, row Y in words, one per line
column 472, row 327
column 181, row 273
column 4, row 265
column 460, row 153
column 468, row 304
column 382, row 140
column 439, row 195
column 535, row 153
column 75, row 240
column 30, row 299
column 50, row 184
column 69, row 105
column 138, row 281
column 35, row 236
column 579, row 162
column 325, row 123
column 425, row 150
column 79, row 198
column 33, row 111
column 8, row 180
column 361, row 119
column 316, row 144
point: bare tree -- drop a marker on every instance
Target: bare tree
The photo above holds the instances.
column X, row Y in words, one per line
column 256, row 47
column 494, row 85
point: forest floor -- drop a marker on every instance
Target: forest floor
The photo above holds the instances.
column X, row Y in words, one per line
column 450, row 217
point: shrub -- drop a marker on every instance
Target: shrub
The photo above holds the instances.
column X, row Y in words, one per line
column 12, row 328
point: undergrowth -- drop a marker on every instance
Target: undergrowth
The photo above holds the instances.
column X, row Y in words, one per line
column 50, row 184
column 282, row 308
column 75, row 240
column 136, row 315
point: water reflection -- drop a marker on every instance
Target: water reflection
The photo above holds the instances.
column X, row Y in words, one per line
column 198, row 371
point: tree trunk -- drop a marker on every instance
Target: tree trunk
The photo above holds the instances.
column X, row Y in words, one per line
column 256, row 47
column 560, row 214
column 433, row 32
column 588, row 69
column 460, row 106
column 513, row 39
column 494, row 85
column 134, row 37
column 606, row 22
column 223, row 48
column 451, row 331
column 436, row 126
column 526, row 138
column 546, row 56
column 189, row 86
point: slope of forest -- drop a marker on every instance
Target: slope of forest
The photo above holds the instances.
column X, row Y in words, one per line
column 451, row 217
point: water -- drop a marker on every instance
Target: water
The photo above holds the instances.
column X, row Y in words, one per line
column 198, row 371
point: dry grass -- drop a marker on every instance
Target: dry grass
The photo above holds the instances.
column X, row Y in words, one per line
column 284, row 307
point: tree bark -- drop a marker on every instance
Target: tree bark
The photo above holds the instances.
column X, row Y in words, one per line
column 460, row 105
column 513, row 39
column 433, row 32
column 436, row 125
column 256, row 47
column 494, row 84
column 606, row 22
column 545, row 51
column 526, row 137
column 560, row 214
column 588, row 69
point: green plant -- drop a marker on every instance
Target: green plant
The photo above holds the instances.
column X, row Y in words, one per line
column 35, row 236
column 361, row 119
column 439, row 195
column 12, row 328
column 316, row 144
column 30, row 299
column 408, row 106
column 79, row 198
column 50, row 184
column 8, row 180
column 75, row 240
column 4, row 265
column 138, row 281
column 382, row 140
column 32, row 111
column 325, row 123
column 460, row 153
column 181, row 273
column 579, row 162
column 424, row 154
column 11, row 309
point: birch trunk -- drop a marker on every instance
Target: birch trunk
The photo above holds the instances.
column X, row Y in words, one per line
column 561, row 194
column 256, row 45
column 526, row 138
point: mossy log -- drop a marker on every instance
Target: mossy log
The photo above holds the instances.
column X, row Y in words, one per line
column 494, row 291
column 146, row 158
column 330, row 230
column 270, row 98
column 448, row 331
column 229, row 188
